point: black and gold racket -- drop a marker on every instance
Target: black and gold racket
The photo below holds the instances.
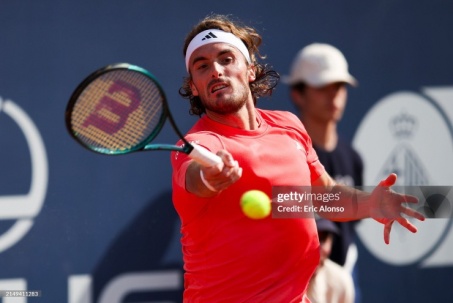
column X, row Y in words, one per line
column 121, row 109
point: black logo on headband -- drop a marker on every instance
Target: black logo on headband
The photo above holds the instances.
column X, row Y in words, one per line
column 209, row 36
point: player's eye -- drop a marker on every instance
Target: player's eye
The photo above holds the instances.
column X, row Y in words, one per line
column 200, row 66
column 227, row 60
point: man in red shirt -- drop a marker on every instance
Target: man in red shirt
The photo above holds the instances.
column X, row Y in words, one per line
column 227, row 256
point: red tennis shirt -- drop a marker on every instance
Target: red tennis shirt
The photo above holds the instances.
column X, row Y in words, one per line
column 227, row 256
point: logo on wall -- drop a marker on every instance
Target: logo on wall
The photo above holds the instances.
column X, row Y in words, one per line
column 24, row 208
column 410, row 134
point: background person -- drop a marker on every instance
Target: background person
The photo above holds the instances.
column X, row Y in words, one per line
column 331, row 283
column 318, row 87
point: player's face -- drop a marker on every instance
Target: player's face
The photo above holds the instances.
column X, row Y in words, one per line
column 220, row 77
column 326, row 103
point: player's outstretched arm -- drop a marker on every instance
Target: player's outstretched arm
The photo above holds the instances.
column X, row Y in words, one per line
column 382, row 204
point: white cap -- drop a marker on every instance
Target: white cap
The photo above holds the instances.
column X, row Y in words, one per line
column 319, row 64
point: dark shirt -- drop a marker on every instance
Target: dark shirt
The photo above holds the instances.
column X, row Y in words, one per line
column 345, row 165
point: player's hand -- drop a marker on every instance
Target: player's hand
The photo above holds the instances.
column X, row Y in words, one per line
column 387, row 206
column 221, row 176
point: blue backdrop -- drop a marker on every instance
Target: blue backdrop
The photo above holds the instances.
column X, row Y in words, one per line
column 86, row 228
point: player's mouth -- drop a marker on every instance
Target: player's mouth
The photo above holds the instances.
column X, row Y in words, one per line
column 217, row 87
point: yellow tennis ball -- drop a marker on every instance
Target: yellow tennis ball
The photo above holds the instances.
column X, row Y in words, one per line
column 255, row 204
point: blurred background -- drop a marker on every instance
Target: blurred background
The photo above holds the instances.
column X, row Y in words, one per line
column 86, row 228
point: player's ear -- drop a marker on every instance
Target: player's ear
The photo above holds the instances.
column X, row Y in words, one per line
column 193, row 88
column 251, row 70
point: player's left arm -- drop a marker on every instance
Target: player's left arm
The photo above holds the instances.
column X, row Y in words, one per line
column 382, row 204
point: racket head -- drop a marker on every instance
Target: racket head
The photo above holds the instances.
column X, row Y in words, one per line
column 117, row 109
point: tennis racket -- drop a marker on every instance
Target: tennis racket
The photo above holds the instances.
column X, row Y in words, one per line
column 120, row 109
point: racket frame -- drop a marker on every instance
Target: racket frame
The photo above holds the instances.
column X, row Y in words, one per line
column 145, row 144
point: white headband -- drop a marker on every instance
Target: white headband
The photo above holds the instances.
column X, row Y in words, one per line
column 214, row 36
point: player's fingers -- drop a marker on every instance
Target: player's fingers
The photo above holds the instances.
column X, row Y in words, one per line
column 413, row 213
column 229, row 176
column 227, row 182
column 387, row 230
column 410, row 199
column 240, row 172
column 232, row 171
column 212, row 171
column 406, row 224
column 227, row 158
column 389, row 181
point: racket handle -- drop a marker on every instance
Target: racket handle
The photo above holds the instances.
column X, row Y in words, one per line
column 203, row 156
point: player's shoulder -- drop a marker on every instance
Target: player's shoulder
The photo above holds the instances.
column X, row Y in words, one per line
column 279, row 117
column 201, row 134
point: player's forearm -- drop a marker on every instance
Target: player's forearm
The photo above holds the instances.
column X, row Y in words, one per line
column 353, row 203
column 349, row 203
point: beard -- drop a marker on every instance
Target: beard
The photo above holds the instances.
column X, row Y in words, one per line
column 228, row 103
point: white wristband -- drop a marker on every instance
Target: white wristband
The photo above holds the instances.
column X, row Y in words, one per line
column 206, row 183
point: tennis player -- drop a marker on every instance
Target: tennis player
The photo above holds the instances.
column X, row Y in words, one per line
column 227, row 256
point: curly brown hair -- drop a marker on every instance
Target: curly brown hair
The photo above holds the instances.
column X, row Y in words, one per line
column 266, row 78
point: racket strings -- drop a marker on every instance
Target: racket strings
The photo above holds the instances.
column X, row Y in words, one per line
column 118, row 111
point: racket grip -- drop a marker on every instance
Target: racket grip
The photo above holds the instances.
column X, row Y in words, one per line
column 203, row 156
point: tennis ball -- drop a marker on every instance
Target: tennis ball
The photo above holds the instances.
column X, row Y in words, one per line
column 255, row 204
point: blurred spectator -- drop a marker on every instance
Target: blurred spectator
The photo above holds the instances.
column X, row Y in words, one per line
column 330, row 283
column 318, row 87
